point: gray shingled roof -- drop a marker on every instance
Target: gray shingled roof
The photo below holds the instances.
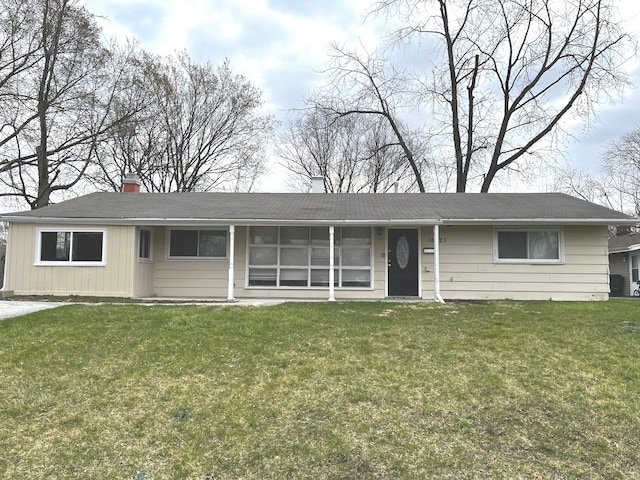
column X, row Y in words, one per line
column 316, row 207
column 624, row 242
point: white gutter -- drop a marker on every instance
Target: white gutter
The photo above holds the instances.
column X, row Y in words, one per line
column 214, row 221
column 630, row 248
column 275, row 221
column 436, row 263
column 546, row 221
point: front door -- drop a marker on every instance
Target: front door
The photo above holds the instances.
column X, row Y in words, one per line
column 402, row 263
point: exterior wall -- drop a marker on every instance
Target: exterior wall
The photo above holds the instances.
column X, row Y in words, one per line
column 209, row 278
column 468, row 270
column 115, row 279
column 143, row 269
column 186, row 278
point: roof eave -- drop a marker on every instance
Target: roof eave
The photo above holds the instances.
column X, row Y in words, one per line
column 630, row 248
column 215, row 221
column 280, row 221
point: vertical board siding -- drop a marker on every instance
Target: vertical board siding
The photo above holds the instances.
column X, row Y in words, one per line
column 113, row 279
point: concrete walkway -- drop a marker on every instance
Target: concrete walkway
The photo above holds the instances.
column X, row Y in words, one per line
column 10, row 309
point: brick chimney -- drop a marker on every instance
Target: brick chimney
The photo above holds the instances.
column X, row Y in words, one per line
column 131, row 183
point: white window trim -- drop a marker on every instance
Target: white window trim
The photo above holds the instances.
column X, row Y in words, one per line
column 195, row 258
column 529, row 261
column 144, row 259
column 70, row 263
column 308, row 268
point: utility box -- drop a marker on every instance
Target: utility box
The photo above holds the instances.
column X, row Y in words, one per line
column 616, row 285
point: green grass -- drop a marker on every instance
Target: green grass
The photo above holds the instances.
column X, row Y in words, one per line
column 333, row 391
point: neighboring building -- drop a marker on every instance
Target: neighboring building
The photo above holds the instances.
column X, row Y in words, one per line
column 313, row 246
column 624, row 261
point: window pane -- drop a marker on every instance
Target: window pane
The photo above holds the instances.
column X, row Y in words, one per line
column 356, row 236
column 543, row 245
column 263, row 256
column 294, row 256
column 293, row 278
column 320, row 278
column 320, row 256
column 87, row 247
column 183, row 243
column 54, row 246
column 262, row 277
column 356, row 278
column 356, row 257
column 294, row 235
column 320, row 236
column 145, row 244
column 264, row 235
column 512, row 245
column 213, row 243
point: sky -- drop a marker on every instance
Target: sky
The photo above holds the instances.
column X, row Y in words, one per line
column 281, row 47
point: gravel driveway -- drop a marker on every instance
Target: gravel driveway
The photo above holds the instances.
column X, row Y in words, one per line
column 9, row 309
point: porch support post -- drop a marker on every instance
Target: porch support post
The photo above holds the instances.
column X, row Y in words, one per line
column 332, row 293
column 436, row 263
column 232, row 241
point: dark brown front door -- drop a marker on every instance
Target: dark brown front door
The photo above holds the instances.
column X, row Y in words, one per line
column 402, row 263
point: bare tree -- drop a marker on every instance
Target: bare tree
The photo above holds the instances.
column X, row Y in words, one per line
column 59, row 102
column 200, row 129
column 500, row 76
column 351, row 153
column 20, row 51
column 621, row 166
column 366, row 85
column 618, row 185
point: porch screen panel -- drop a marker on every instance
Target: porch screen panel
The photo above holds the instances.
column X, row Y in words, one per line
column 293, row 256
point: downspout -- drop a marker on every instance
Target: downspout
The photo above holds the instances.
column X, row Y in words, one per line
column 332, row 293
column 232, row 241
column 436, row 263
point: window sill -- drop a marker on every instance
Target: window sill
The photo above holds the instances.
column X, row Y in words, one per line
column 70, row 264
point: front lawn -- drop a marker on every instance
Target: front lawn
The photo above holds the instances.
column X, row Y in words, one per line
column 332, row 391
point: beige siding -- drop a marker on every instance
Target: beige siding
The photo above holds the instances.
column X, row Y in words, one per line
column 143, row 269
column 187, row 278
column 468, row 270
column 114, row 279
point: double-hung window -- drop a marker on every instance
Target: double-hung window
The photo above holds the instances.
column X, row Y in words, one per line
column 294, row 256
column 528, row 245
column 185, row 243
column 71, row 247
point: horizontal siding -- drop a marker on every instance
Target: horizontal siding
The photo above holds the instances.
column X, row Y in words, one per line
column 468, row 270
